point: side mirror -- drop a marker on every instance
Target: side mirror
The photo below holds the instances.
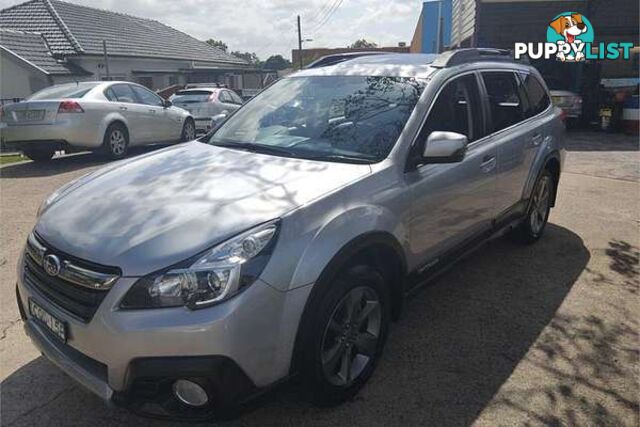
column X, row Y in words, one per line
column 444, row 147
column 166, row 103
column 218, row 119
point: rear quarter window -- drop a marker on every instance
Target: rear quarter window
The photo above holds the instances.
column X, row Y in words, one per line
column 538, row 96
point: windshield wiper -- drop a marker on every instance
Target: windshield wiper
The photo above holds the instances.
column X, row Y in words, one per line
column 341, row 158
column 258, row 148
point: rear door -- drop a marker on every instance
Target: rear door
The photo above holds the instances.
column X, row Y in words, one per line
column 453, row 203
column 122, row 95
column 516, row 132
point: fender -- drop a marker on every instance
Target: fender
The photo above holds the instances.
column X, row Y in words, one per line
column 344, row 231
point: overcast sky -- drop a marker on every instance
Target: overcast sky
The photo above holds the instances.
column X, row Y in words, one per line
column 269, row 26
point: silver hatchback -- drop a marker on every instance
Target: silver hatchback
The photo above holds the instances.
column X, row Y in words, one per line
column 204, row 103
column 98, row 116
column 183, row 282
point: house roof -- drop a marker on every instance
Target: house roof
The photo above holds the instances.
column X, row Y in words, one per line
column 32, row 48
column 72, row 29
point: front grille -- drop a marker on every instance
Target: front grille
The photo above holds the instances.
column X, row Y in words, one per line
column 80, row 301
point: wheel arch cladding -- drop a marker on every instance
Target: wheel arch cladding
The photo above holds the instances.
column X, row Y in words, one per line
column 553, row 166
column 377, row 249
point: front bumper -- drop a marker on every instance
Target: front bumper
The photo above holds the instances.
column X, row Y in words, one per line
column 251, row 336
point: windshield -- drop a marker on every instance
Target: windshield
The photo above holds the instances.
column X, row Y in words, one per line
column 333, row 118
column 70, row 90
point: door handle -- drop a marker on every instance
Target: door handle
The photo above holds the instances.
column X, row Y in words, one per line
column 488, row 163
column 123, row 108
column 536, row 139
column 152, row 111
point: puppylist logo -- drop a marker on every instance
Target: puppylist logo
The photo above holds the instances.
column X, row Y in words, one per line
column 570, row 38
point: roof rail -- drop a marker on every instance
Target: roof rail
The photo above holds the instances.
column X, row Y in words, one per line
column 337, row 58
column 463, row 56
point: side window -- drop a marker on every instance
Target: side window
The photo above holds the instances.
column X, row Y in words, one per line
column 147, row 97
column 506, row 105
column 538, row 97
column 108, row 93
column 236, row 98
column 123, row 93
column 225, row 96
column 456, row 109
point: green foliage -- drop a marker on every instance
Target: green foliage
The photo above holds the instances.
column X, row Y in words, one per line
column 217, row 43
column 362, row 43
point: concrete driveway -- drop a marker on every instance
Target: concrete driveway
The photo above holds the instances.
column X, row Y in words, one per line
column 538, row 335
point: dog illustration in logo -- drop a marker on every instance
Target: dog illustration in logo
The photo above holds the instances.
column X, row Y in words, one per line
column 569, row 27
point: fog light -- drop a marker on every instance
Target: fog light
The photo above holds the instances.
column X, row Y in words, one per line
column 190, row 393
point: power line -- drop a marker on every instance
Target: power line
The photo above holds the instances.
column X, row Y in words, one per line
column 337, row 5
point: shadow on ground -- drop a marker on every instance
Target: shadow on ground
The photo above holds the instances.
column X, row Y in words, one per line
column 63, row 164
column 459, row 340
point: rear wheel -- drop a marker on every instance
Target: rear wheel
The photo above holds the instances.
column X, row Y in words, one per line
column 188, row 131
column 348, row 330
column 532, row 227
column 116, row 141
column 40, row 154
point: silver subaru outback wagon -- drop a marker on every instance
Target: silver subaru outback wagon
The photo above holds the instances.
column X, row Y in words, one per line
column 183, row 282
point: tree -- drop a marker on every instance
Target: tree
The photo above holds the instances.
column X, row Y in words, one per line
column 217, row 43
column 362, row 43
column 276, row 62
column 250, row 57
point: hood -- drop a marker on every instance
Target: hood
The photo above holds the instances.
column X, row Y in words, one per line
column 155, row 210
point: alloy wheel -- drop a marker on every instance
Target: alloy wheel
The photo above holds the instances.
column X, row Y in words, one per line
column 117, row 142
column 540, row 205
column 351, row 336
column 189, row 131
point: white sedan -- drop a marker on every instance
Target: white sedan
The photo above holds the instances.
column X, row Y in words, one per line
column 105, row 116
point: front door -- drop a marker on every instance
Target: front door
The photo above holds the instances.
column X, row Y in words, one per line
column 156, row 118
column 452, row 203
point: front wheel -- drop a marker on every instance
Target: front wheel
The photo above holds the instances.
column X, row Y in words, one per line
column 41, row 154
column 347, row 333
column 188, row 131
column 535, row 221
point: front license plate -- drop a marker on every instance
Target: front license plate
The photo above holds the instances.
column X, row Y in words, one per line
column 55, row 325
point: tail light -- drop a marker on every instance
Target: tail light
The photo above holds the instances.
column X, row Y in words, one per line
column 563, row 116
column 70, row 107
column 212, row 97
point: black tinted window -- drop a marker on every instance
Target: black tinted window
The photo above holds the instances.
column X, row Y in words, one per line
column 538, row 97
column 147, row 97
column 123, row 93
column 456, row 109
column 504, row 101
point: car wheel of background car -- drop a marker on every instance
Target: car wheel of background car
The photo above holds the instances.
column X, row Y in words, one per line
column 39, row 154
column 535, row 221
column 348, row 330
column 116, row 141
column 188, row 131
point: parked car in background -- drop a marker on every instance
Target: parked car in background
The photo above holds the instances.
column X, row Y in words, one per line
column 105, row 116
column 284, row 242
column 204, row 103
column 567, row 100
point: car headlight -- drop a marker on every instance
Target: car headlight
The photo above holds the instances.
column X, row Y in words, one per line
column 214, row 276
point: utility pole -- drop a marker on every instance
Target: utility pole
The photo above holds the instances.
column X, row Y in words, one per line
column 106, row 58
column 299, row 43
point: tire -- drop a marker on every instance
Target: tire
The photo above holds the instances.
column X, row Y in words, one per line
column 40, row 154
column 188, row 131
column 115, row 144
column 535, row 221
column 339, row 355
